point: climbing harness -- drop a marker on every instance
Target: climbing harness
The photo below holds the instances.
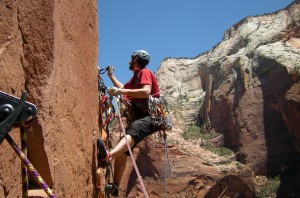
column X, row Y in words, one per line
column 18, row 112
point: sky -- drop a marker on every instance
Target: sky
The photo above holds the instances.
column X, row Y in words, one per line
column 167, row 28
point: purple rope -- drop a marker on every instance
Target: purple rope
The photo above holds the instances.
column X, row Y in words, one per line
column 30, row 167
column 23, row 166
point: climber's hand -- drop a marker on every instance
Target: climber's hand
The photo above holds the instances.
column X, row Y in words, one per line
column 110, row 69
column 114, row 91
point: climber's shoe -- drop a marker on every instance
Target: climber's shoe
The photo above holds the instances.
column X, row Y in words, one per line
column 103, row 153
column 112, row 189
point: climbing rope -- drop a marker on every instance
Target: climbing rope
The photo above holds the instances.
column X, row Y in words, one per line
column 160, row 114
column 25, row 185
column 165, row 169
column 30, row 167
column 166, row 157
column 130, row 152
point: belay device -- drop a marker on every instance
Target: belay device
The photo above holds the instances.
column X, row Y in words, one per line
column 13, row 111
column 18, row 112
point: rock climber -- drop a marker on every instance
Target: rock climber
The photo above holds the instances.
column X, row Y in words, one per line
column 137, row 90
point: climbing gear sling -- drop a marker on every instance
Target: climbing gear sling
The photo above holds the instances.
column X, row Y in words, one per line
column 104, row 173
column 159, row 111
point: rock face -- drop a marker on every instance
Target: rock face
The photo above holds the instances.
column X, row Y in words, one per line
column 49, row 48
column 246, row 87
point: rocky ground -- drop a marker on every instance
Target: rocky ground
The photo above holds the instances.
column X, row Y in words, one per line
column 192, row 170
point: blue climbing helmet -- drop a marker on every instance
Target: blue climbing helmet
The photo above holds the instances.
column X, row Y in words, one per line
column 143, row 55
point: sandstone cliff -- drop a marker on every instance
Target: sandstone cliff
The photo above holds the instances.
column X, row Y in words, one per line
column 49, row 48
column 247, row 88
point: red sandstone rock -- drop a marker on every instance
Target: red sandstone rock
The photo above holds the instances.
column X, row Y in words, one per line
column 49, row 48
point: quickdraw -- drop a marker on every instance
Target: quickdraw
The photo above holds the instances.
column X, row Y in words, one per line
column 18, row 112
column 101, row 86
column 159, row 111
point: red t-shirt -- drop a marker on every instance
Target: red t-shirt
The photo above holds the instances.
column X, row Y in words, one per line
column 140, row 78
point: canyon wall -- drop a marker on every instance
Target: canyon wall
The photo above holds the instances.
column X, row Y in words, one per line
column 50, row 49
column 246, row 87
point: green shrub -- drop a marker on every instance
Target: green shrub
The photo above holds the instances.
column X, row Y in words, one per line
column 270, row 188
column 195, row 132
column 222, row 151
